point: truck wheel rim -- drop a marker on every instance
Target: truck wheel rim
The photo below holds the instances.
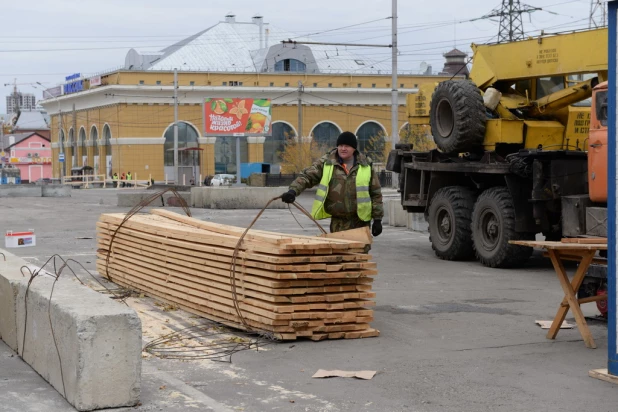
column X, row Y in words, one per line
column 490, row 229
column 444, row 223
column 445, row 118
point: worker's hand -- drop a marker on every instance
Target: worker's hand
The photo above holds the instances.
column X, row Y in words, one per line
column 376, row 228
column 289, row 196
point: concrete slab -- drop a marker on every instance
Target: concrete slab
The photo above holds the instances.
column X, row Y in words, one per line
column 86, row 345
column 236, row 197
column 10, row 279
column 397, row 216
column 56, row 190
column 21, row 191
column 130, row 198
column 417, row 223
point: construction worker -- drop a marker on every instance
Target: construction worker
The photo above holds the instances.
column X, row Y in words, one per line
column 349, row 191
column 128, row 179
column 115, row 179
column 122, row 180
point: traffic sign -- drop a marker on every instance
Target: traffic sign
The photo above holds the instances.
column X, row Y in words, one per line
column 61, row 157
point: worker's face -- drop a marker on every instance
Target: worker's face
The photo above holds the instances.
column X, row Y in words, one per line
column 345, row 152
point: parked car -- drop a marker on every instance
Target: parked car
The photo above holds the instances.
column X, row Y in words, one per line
column 222, row 179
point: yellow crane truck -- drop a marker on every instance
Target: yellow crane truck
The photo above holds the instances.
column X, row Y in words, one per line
column 512, row 142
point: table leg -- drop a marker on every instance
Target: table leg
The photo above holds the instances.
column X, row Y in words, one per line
column 569, row 299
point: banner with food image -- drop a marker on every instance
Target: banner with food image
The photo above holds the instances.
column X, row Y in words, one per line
column 237, row 116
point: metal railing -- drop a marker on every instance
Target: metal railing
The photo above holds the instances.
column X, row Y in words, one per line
column 91, row 181
column 386, row 178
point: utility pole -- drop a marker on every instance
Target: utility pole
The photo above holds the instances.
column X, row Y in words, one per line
column 301, row 88
column 598, row 14
column 511, row 26
column 62, row 164
column 73, row 140
column 176, row 126
column 394, row 93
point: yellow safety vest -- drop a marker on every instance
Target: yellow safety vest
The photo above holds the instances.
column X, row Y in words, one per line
column 363, row 200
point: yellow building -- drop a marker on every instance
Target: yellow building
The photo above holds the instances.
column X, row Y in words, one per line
column 122, row 120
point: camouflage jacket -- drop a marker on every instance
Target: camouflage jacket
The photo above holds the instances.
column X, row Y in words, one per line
column 341, row 198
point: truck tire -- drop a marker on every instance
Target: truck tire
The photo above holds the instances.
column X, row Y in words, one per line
column 493, row 226
column 457, row 116
column 449, row 217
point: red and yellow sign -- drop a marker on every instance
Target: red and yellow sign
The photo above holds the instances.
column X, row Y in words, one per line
column 31, row 160
column 237, row 117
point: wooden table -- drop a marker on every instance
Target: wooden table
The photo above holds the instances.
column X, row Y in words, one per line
column 584, row 254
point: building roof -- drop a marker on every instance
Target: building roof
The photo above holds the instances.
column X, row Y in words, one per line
column 455, row 53
column 235, row 46
column 31, row 120
column 10, row 140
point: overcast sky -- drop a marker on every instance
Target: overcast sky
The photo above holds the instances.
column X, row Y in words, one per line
column 98, row 33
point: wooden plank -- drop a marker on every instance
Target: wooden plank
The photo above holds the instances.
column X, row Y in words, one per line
column 262, row 257
column 250, row 318
column 160, row 227
column 585, row 240
column 224, row 278
column 225, row 269
column 576, row 257
column 270, row 237
column 589, row 299
column 362, row 235
column 604, row 375
column 197, row 256
column 285, row 241
column 559, row 245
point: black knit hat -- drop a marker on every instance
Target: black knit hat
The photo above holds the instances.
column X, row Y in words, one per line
column 347, row 138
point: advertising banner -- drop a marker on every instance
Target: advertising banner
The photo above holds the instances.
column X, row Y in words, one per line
column 237, row 117
column 95, row 81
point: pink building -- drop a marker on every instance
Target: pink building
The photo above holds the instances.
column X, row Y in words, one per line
column 30, row 152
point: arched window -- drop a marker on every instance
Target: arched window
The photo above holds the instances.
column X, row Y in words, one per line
column 371, row 140
column 274, row 145
column 107, row 150
column 94, row 137
column 187, row 137
column 325, row 134
column 72, row 148
column 290, row 65
column 82, row 145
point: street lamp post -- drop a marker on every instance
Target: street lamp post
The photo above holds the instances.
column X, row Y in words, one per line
column 60, row 143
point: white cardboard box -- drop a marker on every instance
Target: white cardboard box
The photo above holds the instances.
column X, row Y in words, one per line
column 19, row 239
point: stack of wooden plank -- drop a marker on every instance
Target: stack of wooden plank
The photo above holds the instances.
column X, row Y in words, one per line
column 288, row 285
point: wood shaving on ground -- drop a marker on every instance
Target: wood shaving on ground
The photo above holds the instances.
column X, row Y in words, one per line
column 321, row 373
column 546, row 324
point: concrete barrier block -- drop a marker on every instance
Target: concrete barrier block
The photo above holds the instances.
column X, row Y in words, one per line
column 93, row 357
column 397, row 215
column 21, row 191
column 56, row 190
column 244, row 197
column 10, row 279
column 130, row 198
column 417, row 222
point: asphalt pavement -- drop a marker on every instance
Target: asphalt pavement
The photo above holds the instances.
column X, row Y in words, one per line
column 455, row 336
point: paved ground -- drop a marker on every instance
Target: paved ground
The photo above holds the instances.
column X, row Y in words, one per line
column 454, row 336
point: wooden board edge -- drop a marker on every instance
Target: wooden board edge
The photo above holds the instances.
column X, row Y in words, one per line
column 603, row 375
